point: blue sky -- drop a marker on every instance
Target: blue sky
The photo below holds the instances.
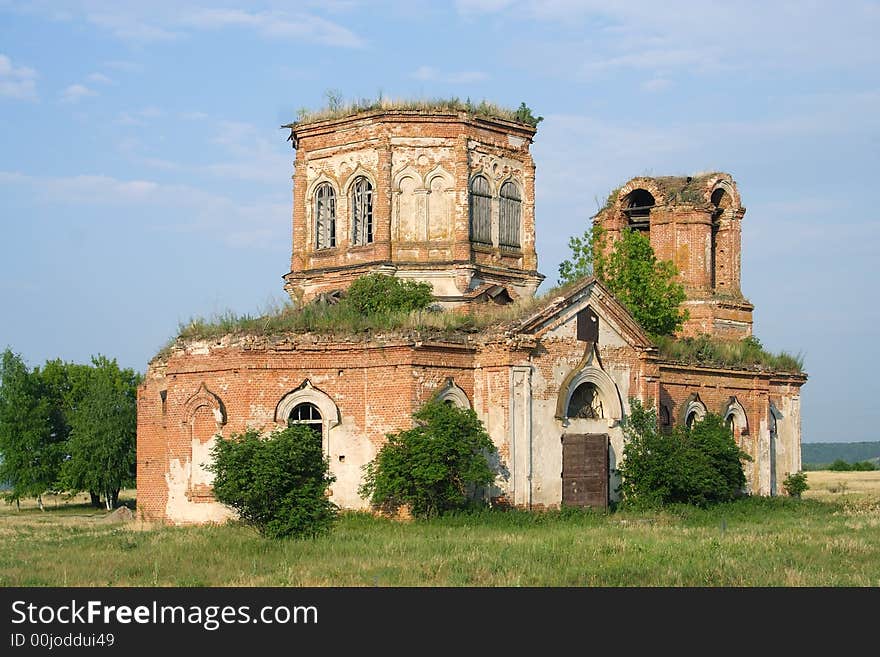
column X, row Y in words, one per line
column 145, row 178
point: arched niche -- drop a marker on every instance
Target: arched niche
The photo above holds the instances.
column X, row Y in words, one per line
column 204, row 398
column 203, row 418
column 452, row 394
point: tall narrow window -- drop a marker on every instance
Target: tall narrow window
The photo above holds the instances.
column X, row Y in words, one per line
column 721, row 201
column 510, row 215
column 481, row 211
column 362, row 211
column 325, row 216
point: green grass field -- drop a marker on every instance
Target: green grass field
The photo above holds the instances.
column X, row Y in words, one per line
column 827, row 539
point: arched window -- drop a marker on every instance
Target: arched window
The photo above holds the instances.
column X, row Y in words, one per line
column 735, row 418
column 309, row 415
column 586, row 403
column 721, row 200
column 639, row 203
column 510, row 214
column 693, row 410
column 362, row 211
column 481, row 210
column 325, row 216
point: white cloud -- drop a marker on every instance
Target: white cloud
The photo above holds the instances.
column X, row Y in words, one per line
column 99, row 78
column 75, row 93
column 139, row 117
column 163, row 20
column 17, row 82
column 430, row 74
column 263, row 224
column 718, row 37
column 275, row 25
column 656, row 84
column 193, row 116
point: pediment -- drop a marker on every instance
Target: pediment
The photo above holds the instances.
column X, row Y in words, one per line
column 559, row 316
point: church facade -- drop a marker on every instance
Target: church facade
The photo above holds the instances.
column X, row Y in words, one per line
column 447, row 197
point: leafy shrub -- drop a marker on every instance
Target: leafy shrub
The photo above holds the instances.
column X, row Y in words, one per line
column 276, row 483
column 378, row 293
column 433, row 468
column 628, row 266
column 795, row 484
column 700, row 466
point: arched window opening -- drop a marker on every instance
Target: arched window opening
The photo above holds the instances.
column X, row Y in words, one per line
column 691, row 419
column 510, row 215
column 362, row 211
column 325, row 216
column 586, row 403
column 309, row 415
column 639, row 203
column 481, row 211
column 721, row 200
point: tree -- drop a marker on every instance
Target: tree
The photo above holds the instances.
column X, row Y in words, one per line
column 31, row 432
column 700, row 465
column 434, row 467
column 378, row 293
column 102, row 412
column 629, row 268
column 277, row 483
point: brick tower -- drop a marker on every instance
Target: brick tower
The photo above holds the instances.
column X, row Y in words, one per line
column 695, row 221
column 441, row 196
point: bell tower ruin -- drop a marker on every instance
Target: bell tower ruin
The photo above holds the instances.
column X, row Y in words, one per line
column 695, row 221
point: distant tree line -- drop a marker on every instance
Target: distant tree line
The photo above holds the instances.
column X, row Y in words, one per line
column 67, row 428
column 817, row 456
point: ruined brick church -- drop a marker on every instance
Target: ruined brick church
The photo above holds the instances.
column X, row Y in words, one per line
column 447, row 197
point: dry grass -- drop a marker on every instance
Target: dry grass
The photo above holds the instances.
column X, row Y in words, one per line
column 827, row 485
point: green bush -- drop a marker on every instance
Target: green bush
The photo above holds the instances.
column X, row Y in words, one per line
column 795, row 484
column 277, row 483
column 378, row 293
column 700, row 466
column 646, row 286
column 433, row 468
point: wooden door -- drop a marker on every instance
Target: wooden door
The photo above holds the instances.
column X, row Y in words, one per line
column 585, row 470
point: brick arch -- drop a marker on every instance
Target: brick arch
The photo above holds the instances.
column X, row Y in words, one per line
column 648, row 184
column 452, row 393
column 486, row 174
column 407, row 172
column 307, row 393
column 204, row 397
column 320, row 180
column 693, row 404
column 439, row 172
column 733, row 408
column 359, row 172
column 725, row 182
column 605, row 386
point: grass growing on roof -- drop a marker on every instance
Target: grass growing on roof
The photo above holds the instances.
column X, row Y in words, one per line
column 337, row 107
column 747, row 353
